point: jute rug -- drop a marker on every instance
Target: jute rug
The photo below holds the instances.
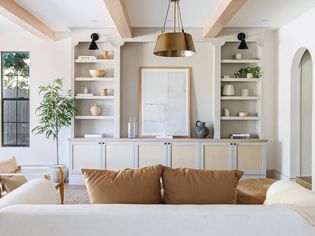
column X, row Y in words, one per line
column 76, row 194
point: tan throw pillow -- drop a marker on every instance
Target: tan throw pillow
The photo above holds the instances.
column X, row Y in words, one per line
column 138, row 186
column 11, row 182
column 190, row 186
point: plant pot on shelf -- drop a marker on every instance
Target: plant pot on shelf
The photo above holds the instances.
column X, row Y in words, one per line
column 249, row 75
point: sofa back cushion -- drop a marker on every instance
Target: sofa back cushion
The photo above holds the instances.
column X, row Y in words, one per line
column 190, row 186
column 129, row 186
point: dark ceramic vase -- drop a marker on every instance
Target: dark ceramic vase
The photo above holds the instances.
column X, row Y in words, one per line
column 201, row 131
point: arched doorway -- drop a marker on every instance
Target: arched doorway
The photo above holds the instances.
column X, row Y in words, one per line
column 301, row 114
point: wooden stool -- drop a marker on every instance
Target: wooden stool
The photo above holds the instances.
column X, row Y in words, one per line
column 253, row 191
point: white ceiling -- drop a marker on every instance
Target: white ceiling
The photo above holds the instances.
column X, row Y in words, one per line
column 151, row 13
column 63, row 14
column 269, row 13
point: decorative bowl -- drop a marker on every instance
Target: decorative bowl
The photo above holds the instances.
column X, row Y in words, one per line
column 243, row 114
column 97, row 73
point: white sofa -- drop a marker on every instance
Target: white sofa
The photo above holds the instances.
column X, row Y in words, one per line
column 140, row 220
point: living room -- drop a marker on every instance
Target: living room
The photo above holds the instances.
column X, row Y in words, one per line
column 218, row 92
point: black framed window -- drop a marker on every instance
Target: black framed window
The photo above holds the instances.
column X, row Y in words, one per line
column 15, row 83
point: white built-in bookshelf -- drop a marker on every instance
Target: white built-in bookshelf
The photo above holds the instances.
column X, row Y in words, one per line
column 251, row 104
column 108, row 121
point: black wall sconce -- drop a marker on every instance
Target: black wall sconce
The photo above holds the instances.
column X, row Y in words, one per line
column 93, row 45
column 241, row 37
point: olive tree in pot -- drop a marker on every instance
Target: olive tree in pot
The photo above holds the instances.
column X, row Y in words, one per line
column 55, row 112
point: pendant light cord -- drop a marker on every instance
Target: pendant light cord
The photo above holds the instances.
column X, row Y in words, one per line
column 179, row 15
column 168, row 9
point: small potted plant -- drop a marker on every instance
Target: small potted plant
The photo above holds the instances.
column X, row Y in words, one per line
column 249, row 72
column 55, row 111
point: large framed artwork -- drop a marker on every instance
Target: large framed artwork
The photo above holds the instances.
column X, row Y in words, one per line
column 164, row 101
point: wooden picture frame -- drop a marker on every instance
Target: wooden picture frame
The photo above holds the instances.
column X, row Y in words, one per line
column 164, row 101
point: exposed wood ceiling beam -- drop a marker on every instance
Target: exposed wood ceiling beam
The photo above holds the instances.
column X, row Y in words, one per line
column 118, row 11
column 17, row 14
column 226, row 10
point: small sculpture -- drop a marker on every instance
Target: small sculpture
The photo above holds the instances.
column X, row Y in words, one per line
column 201, row 131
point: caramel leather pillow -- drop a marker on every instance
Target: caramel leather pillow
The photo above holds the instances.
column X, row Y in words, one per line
column 190, row 186
column 138, row 186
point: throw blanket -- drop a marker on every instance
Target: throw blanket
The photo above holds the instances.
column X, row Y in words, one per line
column 298, row 199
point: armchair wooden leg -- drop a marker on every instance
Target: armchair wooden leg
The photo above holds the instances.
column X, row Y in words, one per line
column 62, row 185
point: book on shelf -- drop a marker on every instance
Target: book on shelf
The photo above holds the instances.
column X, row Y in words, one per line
column 94, row 135
column 86, row 57
column 240, row 136
column 84, row 94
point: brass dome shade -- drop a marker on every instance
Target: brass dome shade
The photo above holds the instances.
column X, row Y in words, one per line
column 175, row 44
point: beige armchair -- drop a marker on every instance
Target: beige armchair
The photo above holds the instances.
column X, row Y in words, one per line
column 11, row 177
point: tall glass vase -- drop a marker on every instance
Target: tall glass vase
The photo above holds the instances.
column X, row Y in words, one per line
column 132, row 127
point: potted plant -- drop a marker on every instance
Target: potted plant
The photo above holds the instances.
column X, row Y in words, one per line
column 55, row 112
column 249, row 72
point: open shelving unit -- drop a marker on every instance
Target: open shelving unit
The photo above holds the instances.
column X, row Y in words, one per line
column 108, row 122
column 225, row 69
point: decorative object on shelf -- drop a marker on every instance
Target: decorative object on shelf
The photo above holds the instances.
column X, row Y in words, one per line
column 104, row 92
column 52, row 120
column 243, row 114
column 132, row 127
column 243, row 45
column 86, row 90
column 106, row 55
column 201, row 131
column 93, row 45
column 176, row 43
column 94, row 135
column 164, row 101
column 240, row 136
column 226, row 76
column 84, row 94
column 95, row 110
column 238, row 56
column 87, row 58
column 255, row 72
column 97, row 73
column 226, row 112
column 249, row 75
column 244, row 92
column 228, row 90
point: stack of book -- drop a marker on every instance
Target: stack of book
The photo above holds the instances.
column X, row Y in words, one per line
column 240, row 136
column 94, row 135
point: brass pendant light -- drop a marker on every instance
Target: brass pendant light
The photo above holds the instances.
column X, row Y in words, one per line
column 176, row 43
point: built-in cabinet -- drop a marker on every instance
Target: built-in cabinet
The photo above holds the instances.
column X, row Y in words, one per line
column 196, row 153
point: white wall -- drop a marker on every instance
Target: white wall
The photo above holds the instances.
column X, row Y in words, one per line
column 291, row 37
column 306, row 117
column 134, row 55
column 48, row 61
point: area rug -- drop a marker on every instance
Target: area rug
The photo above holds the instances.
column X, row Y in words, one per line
column 76, row 194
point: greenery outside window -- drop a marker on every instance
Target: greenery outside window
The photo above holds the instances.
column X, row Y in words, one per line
column 15, row 82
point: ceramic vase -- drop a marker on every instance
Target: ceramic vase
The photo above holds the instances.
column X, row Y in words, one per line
column 95, row 110
column 106, row 55
column 201, row 131
column 228, row 90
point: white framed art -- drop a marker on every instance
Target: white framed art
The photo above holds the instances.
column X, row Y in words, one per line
column 164, row 101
